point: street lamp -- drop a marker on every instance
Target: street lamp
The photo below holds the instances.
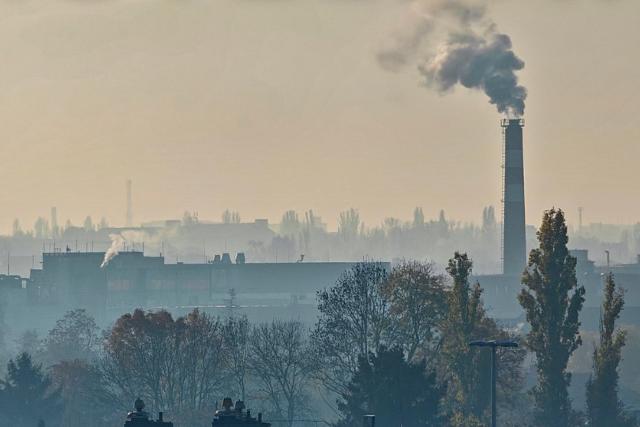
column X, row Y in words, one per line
column 494, row 370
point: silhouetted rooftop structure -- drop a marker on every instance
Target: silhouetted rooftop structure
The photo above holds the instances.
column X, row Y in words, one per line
column 236, row 416
column 140, row 418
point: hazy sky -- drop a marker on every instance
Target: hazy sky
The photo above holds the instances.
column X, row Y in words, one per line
column 266, row 105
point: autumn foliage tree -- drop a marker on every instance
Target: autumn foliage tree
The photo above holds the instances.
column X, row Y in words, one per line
column 174, row 365
column 552, row 301
column 466, row 369
column 459, row 362
column 417, row 299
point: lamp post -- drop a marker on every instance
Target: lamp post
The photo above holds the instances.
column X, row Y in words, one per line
column 493, row 344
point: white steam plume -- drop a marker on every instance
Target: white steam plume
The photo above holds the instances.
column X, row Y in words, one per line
column 117, row 244
column 118, row 241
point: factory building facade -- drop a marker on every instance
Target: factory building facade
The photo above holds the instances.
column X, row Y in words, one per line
column 69, row 280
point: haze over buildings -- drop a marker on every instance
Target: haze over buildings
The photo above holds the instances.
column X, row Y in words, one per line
column 214, row 114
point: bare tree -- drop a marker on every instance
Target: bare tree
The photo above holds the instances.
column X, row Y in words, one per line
column 354, row 320
column 201, row 365
column 84, row 395
column 75, row 336
column 283, row 366
column 237, row 334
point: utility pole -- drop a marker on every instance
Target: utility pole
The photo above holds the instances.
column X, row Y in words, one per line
column 129, row 219
column 494, row 344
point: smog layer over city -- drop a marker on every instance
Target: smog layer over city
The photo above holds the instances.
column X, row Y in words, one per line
column 305, row 213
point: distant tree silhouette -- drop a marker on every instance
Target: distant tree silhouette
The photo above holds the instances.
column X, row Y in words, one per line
column 418, row 218
column 397, row 392
column 17, row 229
column 75, row 336
column 349, row 224
column 290, row 224
column 189, row 218
column 88, row 225
column 103, row 223
column 85, row 395
column 552, row 301
column 488, row 219
column 603, row 405
column 41, row 228
column 230, row 217
column 27, row 396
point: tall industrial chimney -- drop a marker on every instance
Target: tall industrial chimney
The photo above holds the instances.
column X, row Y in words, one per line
column 514, row 244
column 54, row 222
column 129, row 205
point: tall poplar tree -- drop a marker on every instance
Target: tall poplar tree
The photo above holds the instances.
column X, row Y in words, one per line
column 603, row 404
column 465, row 312
column 552, row 301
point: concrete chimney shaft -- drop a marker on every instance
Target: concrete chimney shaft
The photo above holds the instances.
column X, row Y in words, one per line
column 514, row 245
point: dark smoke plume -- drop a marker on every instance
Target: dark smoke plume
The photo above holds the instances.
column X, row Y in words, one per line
column 459, row 45
column 485, row 63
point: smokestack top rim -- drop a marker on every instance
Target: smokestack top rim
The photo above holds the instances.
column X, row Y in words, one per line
column 512, row 122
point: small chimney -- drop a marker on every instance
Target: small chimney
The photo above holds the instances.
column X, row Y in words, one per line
column 240, row 258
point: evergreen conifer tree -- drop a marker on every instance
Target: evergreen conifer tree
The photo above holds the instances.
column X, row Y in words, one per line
column 27, row 395
column 396, row 391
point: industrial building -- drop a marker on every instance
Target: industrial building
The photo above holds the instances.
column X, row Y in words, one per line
column 69, row 280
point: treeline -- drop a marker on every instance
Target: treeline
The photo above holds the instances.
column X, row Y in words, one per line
column 305, row 233
column 394, row 343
